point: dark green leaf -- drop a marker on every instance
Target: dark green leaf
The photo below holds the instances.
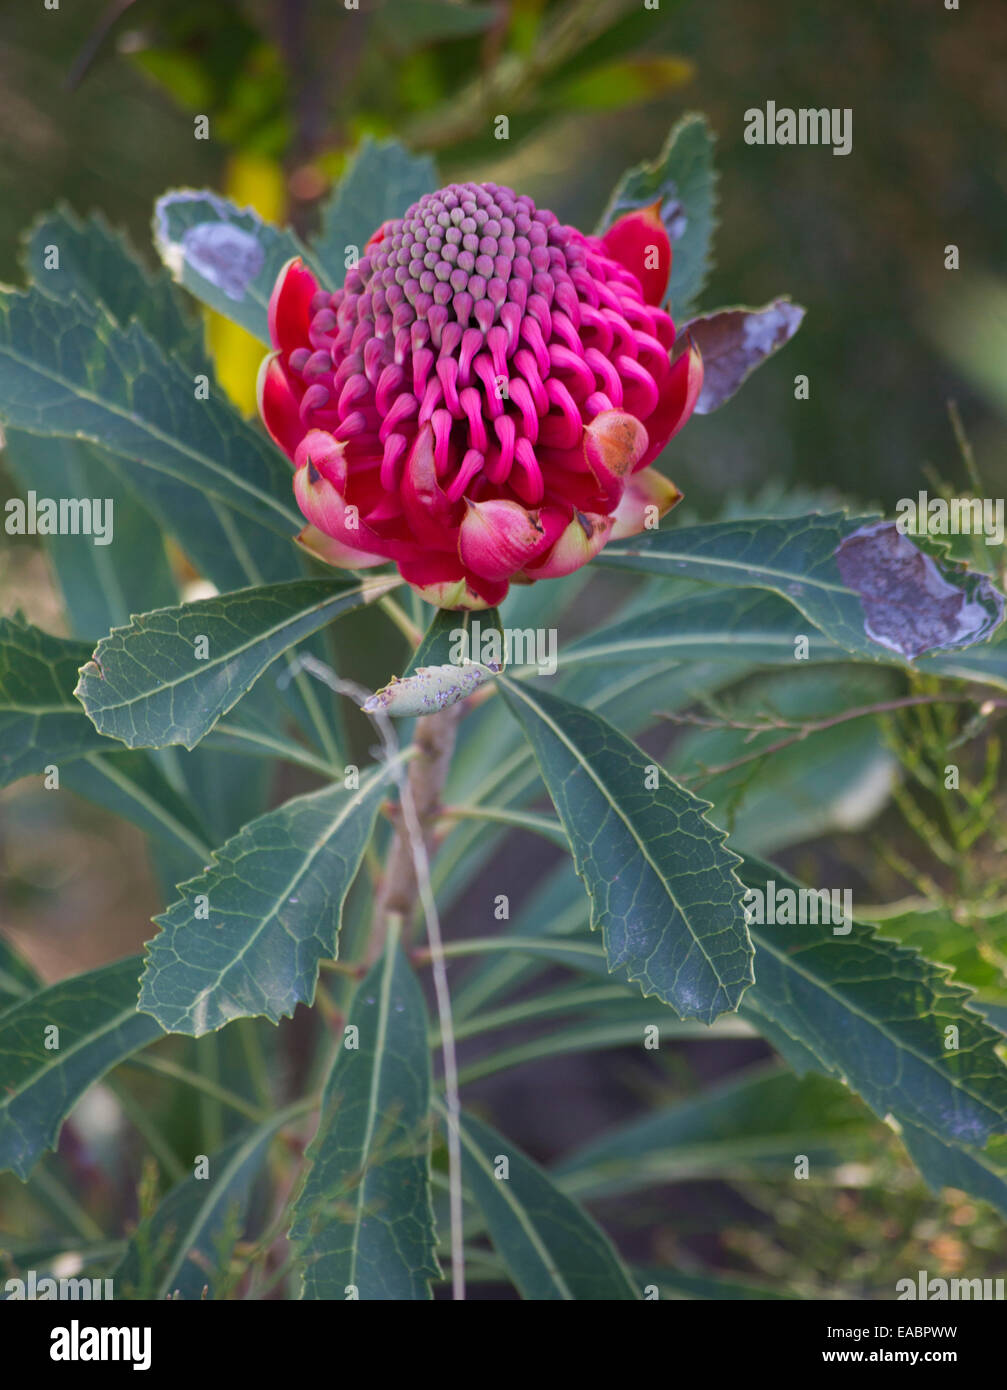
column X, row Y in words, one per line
column 553, row 1250
column 440, row 641
column 364, row 1219
column 874, row 1013
column 97, row 1026
column 130, row 784
column 661, row 881
column 247, row 935
column 148, row 685
column 736, row 625
column 17, row 978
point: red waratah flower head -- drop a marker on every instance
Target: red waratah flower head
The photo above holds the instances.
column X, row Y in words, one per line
column 480, row 400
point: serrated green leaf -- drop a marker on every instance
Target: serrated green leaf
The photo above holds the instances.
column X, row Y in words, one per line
column 661, row 881
column 40, row 722
column 247, row 936
column 67, row 369
column 364, row 1218
column 553, row 1250
column 947, row 1164
column 683, row 177
column 494, row 765
column 98, row 264
column 796, row 558
column 751, row 1124
column 98, row 1026
column 874, row 1014
column 147, row 686
column 228, row 257
column 383, row 181
column 177, row 1252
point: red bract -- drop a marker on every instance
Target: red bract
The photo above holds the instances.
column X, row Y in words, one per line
column 481, row 399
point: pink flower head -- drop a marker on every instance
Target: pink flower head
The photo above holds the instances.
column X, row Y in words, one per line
column 480, row 400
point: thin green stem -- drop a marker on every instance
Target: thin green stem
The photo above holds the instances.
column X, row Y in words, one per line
column 479, row 945
column 546, row 826
column 401, row 619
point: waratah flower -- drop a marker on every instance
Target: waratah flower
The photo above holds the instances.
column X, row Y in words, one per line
column 481, row 399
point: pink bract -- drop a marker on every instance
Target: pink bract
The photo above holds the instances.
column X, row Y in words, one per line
column 480, row 401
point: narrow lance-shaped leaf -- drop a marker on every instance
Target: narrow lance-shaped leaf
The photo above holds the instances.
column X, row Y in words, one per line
column 553, row 1250
column 170, row 675
column 661, row 881
column 177, row 1252
column 865, row 585
column 364, row 1220
column 40, row 721
column 247, row 936
column 224, row 255
column 54, row 1045
column 753, row 1123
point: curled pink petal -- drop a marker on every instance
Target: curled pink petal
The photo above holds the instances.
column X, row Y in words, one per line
column 497, row 538
column 279, row 407
column 639, row 241
column 648, row 496
column 290, row 306
column 580, row 542
column 332, row 552
column 614, row 443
